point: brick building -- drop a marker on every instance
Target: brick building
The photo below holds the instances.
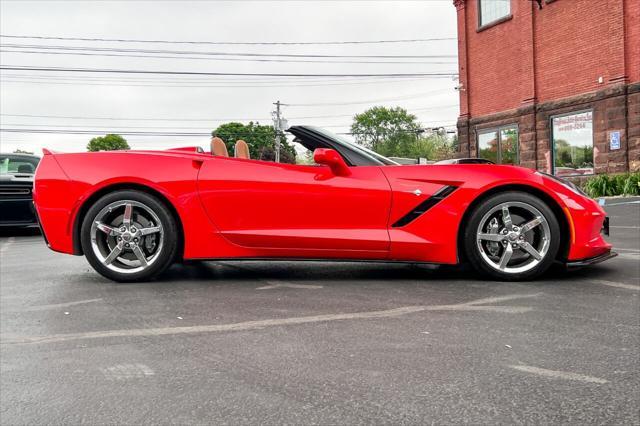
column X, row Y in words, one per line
column 552, row 85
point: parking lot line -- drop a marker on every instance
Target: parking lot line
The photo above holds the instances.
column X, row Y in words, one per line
column 632, row 256
column 616, row 284
column 627, row 249
column 282, row 284
column 558, row 374
column 622, row 203
column 57, row 305
column 255, row 325
column 127, row 371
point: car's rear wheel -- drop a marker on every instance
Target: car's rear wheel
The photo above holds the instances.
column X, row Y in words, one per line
column 129, row 236
column 512, row 236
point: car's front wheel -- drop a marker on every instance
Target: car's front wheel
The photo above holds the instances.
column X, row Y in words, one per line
column 512, row 236
column 129, row 236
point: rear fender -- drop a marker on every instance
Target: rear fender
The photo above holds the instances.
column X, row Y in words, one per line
column 90, row 175
column 53, row 193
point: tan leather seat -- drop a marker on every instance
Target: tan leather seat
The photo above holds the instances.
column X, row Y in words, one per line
column 218, row 147
column 242, row 150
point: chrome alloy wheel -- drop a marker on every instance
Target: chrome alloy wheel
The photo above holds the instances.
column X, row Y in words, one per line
column 127, row 236
column 513, row 237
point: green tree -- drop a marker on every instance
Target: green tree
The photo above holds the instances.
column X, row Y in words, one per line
column 110, row 142
column 396, row 133
column 443, row 147
column 260, row 138
column 389, row 131
column 563, row 153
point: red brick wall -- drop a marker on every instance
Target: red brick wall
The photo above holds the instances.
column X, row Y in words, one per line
column 632, row 39
column 498, row 60
column 577, row 42
column 569, row 44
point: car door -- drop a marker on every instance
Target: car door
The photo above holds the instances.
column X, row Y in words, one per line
column 266, row 205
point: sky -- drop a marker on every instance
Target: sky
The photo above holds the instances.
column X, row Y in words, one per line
column 100, row 103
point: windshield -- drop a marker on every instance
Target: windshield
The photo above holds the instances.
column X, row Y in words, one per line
column 13, row 164
column 356, row 147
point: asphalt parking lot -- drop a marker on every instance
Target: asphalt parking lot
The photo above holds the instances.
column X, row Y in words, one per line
column 323, row 343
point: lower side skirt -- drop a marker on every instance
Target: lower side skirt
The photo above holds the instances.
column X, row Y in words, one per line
column 304, row 259
column 590, row 261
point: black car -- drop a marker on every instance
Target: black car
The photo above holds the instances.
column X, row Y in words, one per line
column 16, row 186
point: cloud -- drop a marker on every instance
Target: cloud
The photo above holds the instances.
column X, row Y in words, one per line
column 145, row 96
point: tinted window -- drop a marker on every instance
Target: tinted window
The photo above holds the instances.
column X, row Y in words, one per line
column 13, row 164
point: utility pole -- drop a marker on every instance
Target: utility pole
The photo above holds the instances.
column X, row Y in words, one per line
column 280, row 125
column 277, row 131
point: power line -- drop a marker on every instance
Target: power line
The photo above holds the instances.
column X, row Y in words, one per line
column 145, row 133
column 370, row 101
column 134, row 119
column 254, row 43
column 195, row 52
column 84, row 82
column 117, row 129
column 227, row 59
column 410, row 110
column 196, row 79
column 211, row 119
column 46, row 125
column 91, row 132
column 129, row 71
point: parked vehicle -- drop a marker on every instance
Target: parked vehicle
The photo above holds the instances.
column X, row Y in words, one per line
column 134, row 213
column 16, row 185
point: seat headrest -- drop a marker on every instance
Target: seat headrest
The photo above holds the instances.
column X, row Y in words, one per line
column 218, row 147
column 25, row 168
column 242, row 150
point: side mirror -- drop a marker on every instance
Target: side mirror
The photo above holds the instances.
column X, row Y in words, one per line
column 331, row 158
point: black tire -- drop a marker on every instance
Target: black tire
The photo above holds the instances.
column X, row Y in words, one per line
column 474, row 253
column 167, row 251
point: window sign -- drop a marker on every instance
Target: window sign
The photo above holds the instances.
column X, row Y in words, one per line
column 573, row 144
column 614, row 140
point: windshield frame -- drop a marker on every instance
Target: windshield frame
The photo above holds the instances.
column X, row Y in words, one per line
column 353, row 146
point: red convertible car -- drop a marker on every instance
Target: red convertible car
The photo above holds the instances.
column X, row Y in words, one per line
column 134, row 213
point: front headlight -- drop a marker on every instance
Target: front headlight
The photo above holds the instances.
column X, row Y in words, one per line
column 567, row 184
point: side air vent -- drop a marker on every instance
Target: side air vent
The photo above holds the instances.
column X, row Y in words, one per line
column 13, row 190
column 422, row 208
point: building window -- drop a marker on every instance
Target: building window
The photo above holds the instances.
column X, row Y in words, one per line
column 493, row 10
column 573, row 144
column 499, row 145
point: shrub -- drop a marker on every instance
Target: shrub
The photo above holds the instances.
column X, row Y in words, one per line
column 610, row 185
column 631, row 185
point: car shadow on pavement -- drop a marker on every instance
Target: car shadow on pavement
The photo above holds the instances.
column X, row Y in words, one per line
column 20, row 232
column 220, row 272
column 301, row 271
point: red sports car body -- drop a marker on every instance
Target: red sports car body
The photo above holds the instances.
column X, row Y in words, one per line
column 343, row 208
